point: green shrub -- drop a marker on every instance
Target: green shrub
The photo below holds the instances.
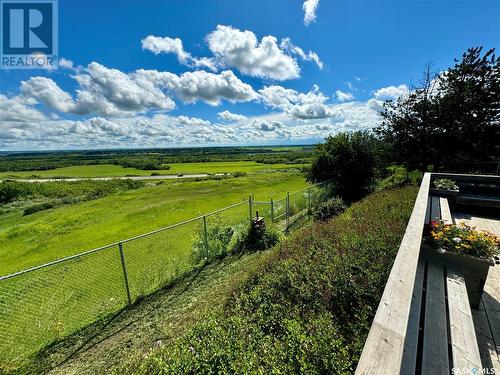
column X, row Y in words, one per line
column 400, row 176
column 11, row 191
column 256, row 238
column 223, row 238
column 216, row 242
column 38, row 207
column 310, row 310
column 349, row 161
column 240, row 174
column 326, row 210
column 445, row 184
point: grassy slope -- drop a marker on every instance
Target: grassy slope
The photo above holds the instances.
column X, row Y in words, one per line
column 157, row 319
column 109, row 170
column 66, row 297
column 310, row 310
column 365, row 230
column 31, row 240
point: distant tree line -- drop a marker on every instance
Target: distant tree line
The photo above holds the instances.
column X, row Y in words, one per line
column 450, row 122
column 153, row 159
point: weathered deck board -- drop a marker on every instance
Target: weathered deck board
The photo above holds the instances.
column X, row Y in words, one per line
column 435, row 210
column 465, row 351
column 445, row 211
column 487, row 348
column 487, row 318
column 435, row 348
column 410, row 352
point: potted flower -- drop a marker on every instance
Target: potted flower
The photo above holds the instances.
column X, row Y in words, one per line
column 444, row 187
column 470, row 251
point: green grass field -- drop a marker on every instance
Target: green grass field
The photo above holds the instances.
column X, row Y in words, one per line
column 52, row 302
column 110, row 170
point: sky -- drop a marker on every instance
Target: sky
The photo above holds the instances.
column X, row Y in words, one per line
column 174, row 73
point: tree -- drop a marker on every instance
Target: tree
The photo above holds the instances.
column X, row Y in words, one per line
column 451, row 118
column 348, row 160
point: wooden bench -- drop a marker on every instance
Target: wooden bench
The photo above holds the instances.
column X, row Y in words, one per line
column 423, row 324
column 438, row 209
column 440, row 333
column 478, row 200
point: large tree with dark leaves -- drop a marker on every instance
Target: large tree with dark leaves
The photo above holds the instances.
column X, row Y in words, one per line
column 451, row 120
column 348, row 160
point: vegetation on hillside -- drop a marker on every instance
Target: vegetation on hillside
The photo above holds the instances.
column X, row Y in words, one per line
column 17, row 190
column 310, row 309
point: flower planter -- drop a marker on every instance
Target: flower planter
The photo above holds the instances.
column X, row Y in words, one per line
column 443, row 193
column 475, row 271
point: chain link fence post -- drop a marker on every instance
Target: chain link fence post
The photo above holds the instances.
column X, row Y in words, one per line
column 125, row 277
column 205, row 232
column 272, row 210
column 250, row 208
column 287, row 211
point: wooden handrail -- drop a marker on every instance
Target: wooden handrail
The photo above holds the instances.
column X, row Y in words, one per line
column 383, row 350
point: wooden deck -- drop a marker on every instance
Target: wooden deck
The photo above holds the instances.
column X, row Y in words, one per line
column 487, row 318
column 425, row 322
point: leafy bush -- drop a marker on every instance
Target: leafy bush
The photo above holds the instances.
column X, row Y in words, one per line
column 310, row 310
column 332, row 207
column 349, row 161
column 216, row 242
column 400, row 176
column 223, row 238
column 240, row 174
column 445, row 184
column 38, row 207
column 256, row 238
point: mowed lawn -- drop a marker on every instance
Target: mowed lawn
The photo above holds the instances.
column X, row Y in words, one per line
column 27, row 241
column 110, row 170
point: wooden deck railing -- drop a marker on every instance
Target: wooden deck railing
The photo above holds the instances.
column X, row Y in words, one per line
column 383, row 350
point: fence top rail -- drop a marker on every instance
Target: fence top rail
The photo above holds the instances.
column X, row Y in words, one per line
column 88, row 252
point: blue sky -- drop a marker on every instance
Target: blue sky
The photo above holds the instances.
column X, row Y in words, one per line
column 175, row 73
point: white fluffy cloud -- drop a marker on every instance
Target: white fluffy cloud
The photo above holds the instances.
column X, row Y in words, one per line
column 191, row 121
column 266, row 126
column 234, row 48
column 162, row 130
column 112, row 93
column 287, row 45
column 66, row 64
column 391, row 92
column 46, row 91
column 157, row 44
column 310, row 7
column 200, row 85
column 18, row 109
column 242, row 50
column 310, row 105
column 230, row 117
column 343, row 96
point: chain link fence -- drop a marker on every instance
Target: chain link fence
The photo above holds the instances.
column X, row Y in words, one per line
column 47, row 303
